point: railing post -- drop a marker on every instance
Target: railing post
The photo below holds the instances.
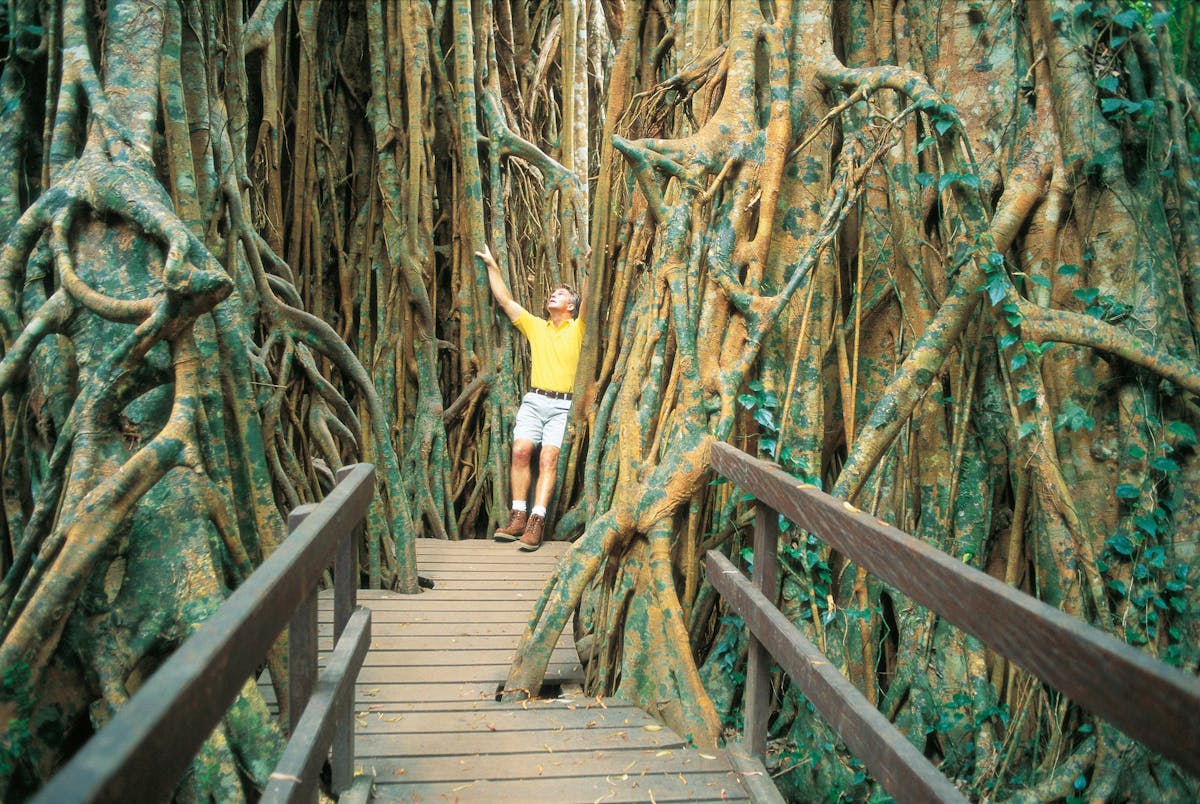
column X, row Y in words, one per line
column 302, row 640
column 758, row 666
column 345, row 599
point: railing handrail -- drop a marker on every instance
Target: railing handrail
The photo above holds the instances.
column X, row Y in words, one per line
column 1144, row 697
column 144, row 750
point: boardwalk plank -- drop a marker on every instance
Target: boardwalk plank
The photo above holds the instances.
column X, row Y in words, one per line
column 634, row 762
column 429, row 727
column 584, row 788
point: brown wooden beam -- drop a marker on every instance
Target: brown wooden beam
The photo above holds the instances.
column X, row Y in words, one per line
column 894, row 762
column 1147, row 699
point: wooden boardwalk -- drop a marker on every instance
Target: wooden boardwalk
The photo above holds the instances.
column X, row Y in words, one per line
column 429, row 727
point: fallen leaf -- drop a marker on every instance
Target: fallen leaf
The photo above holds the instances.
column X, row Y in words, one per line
column 400, row 771
column 624, row 777
column 371, row 692
column 463, row 787
column 682, row 779
column 652, row 727
column 547, row 747
column 708, row 756
column 611, row 794
column 663, row 753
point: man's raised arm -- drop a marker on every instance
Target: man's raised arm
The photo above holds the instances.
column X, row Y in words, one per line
column 500, row 290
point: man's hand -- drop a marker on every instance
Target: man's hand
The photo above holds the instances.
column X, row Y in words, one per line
column 496, row 283
column 488, row 260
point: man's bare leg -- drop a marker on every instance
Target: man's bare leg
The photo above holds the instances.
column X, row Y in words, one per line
column 547, row 468
column 531, row 539
column 522, row 452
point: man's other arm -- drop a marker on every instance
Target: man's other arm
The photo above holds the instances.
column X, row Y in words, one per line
column 500, row 290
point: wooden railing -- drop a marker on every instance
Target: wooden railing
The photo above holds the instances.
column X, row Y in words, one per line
column 141, row 754
column 1146, row 699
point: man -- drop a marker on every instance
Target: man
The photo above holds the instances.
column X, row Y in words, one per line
column 554, row 346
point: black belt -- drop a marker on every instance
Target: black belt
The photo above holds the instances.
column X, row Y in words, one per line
column 551, row 394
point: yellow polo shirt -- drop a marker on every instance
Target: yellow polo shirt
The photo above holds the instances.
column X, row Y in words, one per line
column 554, row 350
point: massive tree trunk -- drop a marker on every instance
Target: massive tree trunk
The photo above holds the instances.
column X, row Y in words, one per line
column 165, row 394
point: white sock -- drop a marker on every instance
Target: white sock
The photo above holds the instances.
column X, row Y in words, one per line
column 538, row 510
column 518, row 505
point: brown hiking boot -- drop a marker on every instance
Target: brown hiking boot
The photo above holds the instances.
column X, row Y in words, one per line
column 532, row 538
column 515, row 527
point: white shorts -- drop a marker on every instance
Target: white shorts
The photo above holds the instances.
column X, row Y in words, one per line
column 541, row 419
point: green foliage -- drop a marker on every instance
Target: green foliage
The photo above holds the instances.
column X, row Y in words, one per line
column 15, row 686
column 762, row 404
column 727, row 653
column 1141, row 578
column 1073, row 417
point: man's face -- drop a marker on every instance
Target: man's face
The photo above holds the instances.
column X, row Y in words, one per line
column 560, row 299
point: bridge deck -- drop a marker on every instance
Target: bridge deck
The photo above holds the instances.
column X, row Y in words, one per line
column 429, row 727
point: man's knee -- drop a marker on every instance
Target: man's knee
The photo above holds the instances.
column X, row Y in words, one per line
column 522, row 451
column 548, row 461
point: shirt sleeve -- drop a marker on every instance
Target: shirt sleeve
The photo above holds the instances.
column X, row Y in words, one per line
column 525, row 321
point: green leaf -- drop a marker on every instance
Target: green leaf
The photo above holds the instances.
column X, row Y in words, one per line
column 748, row 401
column 924, row 178
column 1008, row 339
column 996, row 290
column 1112, row 106
column 946, row 180
column 1025, row 429
column 1068, row 269
column 1040, row 280
column 1147, row 524
column 1018, row 360
column 925, row 143
column 1129, row 18
column 1118, row 587
column 1184, row 431
column 1159, row 19
column 941, row 125
column 1108, row 83
column 1086, row 295
column 1128, row 491
column 765, row 418
column 1120, row 544
column 1165, row 465
column 1026, row 395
